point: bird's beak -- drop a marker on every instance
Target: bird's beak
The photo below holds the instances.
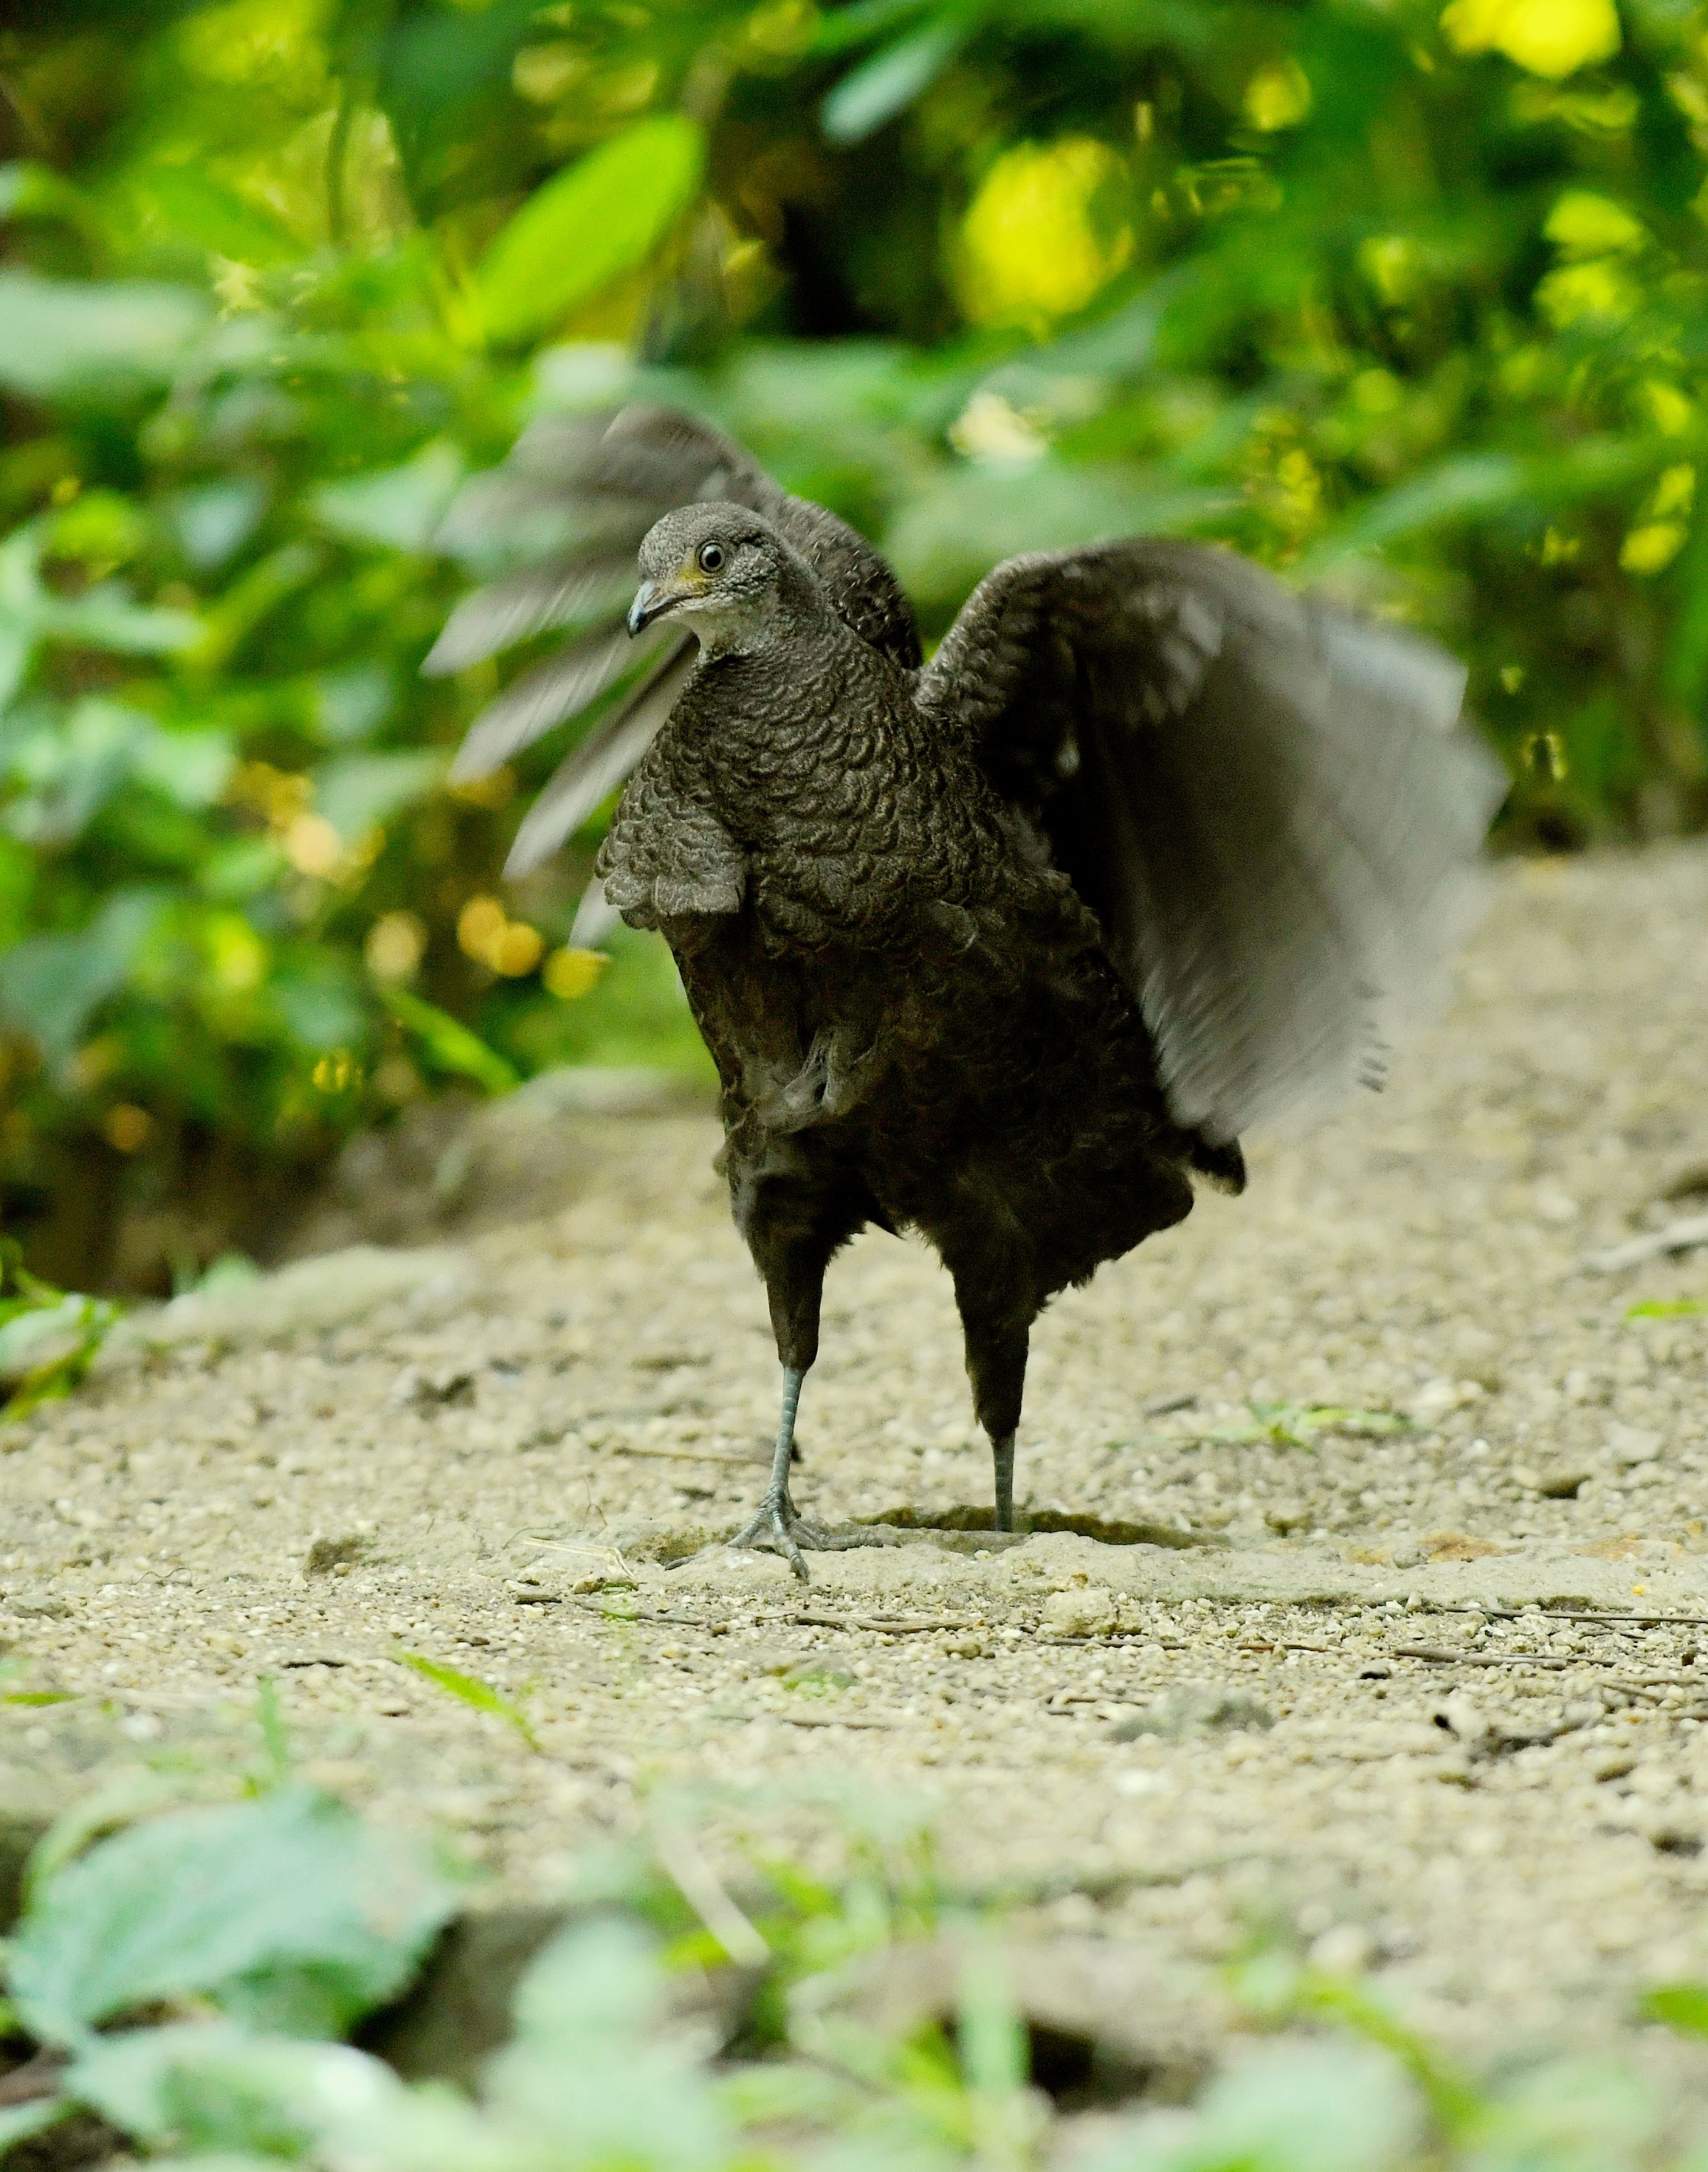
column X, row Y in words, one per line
column 652, row 598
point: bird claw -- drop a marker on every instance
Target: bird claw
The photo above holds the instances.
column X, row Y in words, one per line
column 778, row 1527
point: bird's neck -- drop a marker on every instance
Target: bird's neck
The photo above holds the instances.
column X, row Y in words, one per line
column 806, row 684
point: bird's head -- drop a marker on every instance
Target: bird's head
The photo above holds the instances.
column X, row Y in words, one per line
column 720, row 568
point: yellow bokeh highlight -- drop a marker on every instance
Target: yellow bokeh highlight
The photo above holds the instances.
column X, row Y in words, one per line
column 1584, row 224
column 570, row 974
column 1675, row 493
column 1653, row 546
column 1671, row 410
column 337, row 1073
column 1599, row 293
column 487, row 933
column 1278, row 97
column 394, row 946
column 1038, row 241
column 313, row 846
column 126, row 1126
column 479, row 925
column 1551, row 38
column 518, row 950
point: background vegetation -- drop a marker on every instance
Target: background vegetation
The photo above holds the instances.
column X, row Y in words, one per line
column 1409, row 301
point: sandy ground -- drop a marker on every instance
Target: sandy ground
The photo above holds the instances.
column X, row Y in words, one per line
column 1353, row 1695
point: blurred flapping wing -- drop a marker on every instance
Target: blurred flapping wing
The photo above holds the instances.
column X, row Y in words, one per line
column 1268, row 802
column 588, row 488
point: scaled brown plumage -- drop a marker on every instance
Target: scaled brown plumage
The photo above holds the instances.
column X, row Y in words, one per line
column 1005, row 948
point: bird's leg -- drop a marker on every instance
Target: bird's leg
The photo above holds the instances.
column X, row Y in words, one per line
column 776, row 1520
column 793, row 1219
column 996, row 1339
column 1002, row 1456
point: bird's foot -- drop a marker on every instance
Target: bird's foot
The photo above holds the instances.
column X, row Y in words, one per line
column 778, row 1527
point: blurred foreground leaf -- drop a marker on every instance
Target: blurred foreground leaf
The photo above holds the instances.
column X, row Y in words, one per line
column 288, row 1912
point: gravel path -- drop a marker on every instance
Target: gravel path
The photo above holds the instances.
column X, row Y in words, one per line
column 1353, row 1695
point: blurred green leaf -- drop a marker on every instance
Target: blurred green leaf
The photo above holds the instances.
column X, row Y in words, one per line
column 401, row 507
column 218, row 2091
column 360, row 792
column 471, row 1691
column 288, row 1912
column 594, row 222
column 1681, row 2006
column 447, row 1046
column 59, row 337
column 52, row 985
column 882, row 86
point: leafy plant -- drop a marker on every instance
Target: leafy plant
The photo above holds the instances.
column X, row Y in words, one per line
column 286, row 1913
column 48, row 1337
column 471, row 1691
column 193, row 1968
column 1296, row 1425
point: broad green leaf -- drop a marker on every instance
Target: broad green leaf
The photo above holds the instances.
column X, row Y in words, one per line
column 1335, row 2107
column 52, row 986
column 211, row 2086
column 29, row 190
column 951, row 537
column 592, row 224
column 400, row 508
column 860, row 23
column 215, row 520
column 351, row 702
column 471, row 1691
column 57, row 336
column 1681, row 2006
column 1467, row 485
column 103, row 617
column 588, row 2067
column 360, row 792
column 18, row 2123
column 883, row 86
column 290, row 1913
column 191, row 767
column 189, row 202
column 447, row 1044
column 67, row 770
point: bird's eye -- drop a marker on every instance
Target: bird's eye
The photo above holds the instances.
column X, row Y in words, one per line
column 711, row 557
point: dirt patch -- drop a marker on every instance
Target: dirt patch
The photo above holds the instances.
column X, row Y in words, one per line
column 1476, row 1783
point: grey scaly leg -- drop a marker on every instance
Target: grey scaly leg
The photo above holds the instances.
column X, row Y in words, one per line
column 1002, row 1456
column 776, row 1517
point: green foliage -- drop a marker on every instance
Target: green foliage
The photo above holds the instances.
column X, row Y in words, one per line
column 48, row 1337
column 471, row 1691
column 1406, row 301
column 285, row 1913
column 1296, row 1425
column 176, row 1931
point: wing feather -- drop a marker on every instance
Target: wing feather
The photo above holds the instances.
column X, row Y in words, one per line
column 591, row 487
column 592, row 771
column 1267, row 801
column 562, row 686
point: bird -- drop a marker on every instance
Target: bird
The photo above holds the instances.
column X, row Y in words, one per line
column 1009, row 947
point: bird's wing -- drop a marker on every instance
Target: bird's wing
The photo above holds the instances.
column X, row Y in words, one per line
column 588, row 488
column 1268, row 802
